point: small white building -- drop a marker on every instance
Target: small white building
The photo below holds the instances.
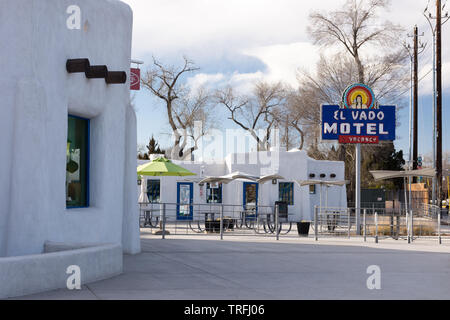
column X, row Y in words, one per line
column 293, row 166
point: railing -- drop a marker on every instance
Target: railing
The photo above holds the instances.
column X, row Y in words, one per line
column 381, row 223
column 224, row 220
column 173, row 218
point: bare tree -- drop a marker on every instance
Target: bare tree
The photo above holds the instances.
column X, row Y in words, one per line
column 194, row 118
column 258, row 113
column 355, row 27
column 303, row 115
column 289, row 138
column 186, row 111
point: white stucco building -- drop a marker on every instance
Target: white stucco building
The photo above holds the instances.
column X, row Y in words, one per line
column 66, row 125
column 293, row 166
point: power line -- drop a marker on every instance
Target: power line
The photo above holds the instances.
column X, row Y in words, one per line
column 410, row 87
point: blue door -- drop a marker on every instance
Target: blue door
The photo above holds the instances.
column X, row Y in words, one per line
column 250, row 197
column 185, row 197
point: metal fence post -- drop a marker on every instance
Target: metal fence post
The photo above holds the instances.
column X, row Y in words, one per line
column 221, row 222
column 412, row 226
column 277, row 213
column 376, row 227
column 408, row 226
column 348, row 222
column 164, row 221
column 316, row 236
column 391, row 223
column 398, row 222
column 364, row 227
column 439, row 227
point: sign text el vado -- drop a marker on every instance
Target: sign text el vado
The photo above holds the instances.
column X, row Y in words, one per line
column 358, row 119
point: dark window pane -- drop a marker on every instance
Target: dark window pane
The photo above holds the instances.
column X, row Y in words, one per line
column 214, row 193
column 77, row 164
column 251, row 196
column 286, row 192
column 312, row 189
column 153, row 191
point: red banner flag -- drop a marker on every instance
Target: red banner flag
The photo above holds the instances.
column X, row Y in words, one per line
column 135, row 79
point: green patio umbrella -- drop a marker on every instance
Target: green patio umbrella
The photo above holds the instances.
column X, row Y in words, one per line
column 163, row 167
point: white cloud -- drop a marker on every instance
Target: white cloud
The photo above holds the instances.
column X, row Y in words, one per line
column 204, row 80
column 283, row 61
column 241, row 82
column 163, row 26
column 273, row 31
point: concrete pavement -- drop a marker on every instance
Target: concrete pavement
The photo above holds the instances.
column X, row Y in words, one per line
column 238, row 268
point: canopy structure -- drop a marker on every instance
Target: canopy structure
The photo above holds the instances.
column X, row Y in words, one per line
column 303, row 183
column 215, row 180
column 268, row 178
column 193, row 179
column 241, row 176
column 229, row 178
column 385, row 175
column 163, row 167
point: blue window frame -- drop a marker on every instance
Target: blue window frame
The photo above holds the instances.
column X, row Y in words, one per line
column 77, row 162
column 250, row 196
column 286, row 192
column 185, row 197
column 214, row 194
column 154, row 191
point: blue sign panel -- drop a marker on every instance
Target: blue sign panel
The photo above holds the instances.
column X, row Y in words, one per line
column 378, row 122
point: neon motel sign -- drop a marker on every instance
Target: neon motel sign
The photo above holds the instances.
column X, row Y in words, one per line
column 358, row 119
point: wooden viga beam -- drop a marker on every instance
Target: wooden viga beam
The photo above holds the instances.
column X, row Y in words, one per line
column 95, row 72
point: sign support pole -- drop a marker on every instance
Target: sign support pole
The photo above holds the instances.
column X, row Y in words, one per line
column 358, row 189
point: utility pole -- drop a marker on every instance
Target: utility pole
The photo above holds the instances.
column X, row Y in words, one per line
column 429, row 16
column 439, row 102
column 415, row 99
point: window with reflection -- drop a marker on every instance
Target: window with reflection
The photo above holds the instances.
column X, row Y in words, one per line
column 213, row 193
column 286, row 192
column 77, row 163
column 154, row 191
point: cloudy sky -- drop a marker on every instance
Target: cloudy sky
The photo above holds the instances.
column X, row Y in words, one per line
column 239, row 41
